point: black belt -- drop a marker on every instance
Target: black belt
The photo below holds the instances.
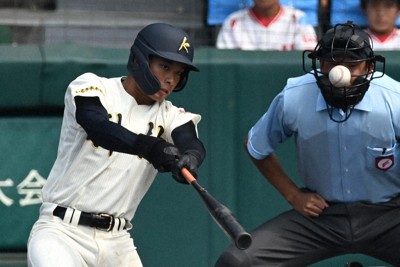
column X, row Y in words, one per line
column 100, row 221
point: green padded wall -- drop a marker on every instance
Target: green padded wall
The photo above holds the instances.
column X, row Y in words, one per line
column 172, row 227
column 5, row 34
column 20, row 82
column 29, row 147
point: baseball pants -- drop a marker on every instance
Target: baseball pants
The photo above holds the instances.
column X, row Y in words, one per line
column 292, row 239
column 55, row 242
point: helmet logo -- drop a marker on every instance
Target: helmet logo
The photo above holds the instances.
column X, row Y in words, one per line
column 184, row 45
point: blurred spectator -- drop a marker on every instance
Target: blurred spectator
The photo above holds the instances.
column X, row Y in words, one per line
column 381, row 16
column 267, row 25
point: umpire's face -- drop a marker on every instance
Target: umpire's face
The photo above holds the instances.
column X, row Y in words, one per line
column 168, row 73
column 357, row 68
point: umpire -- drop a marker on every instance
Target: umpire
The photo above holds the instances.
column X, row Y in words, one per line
column 347, row 146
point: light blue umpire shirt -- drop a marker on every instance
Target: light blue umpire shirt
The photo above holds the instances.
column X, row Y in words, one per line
column 356, row 160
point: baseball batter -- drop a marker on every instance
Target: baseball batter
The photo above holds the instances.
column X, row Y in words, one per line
column 267, row 26
column 117, row 133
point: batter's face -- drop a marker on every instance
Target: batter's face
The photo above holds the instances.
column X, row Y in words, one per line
column 169, row 74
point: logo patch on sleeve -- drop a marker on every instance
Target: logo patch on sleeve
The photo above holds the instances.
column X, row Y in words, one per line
column 384, row 163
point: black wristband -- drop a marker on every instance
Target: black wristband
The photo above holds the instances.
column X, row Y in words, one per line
column 144, row 144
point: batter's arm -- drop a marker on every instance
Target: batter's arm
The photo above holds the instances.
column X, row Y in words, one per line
column 185, row 138
column 192, row 150
column 93, row 118
column 309, row 204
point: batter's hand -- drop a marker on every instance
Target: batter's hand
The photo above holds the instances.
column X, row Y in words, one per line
column 309, row 204
column 191, row 161
column 164, row 156
column 157, row 151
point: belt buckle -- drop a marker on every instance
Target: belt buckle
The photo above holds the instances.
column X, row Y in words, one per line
column 110, row 226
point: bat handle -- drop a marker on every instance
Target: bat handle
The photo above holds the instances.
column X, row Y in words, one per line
column 188, row 176
column 191, row 180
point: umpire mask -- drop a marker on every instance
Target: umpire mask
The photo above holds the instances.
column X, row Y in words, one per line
column 348, row 44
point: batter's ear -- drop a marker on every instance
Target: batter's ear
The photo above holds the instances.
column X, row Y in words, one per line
column 134, row 60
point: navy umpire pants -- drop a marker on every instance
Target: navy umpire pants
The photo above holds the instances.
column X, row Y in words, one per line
column 292, row 239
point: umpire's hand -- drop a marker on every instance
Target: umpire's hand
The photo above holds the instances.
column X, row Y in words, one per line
column 309, row 204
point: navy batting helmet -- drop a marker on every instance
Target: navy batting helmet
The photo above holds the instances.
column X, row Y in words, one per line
column 165, row 41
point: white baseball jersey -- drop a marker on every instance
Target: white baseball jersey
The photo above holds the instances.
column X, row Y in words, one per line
column 96, row 180
column 391, row 42
column 244, row 30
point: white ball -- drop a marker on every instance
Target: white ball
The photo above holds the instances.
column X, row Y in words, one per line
column 340, row 76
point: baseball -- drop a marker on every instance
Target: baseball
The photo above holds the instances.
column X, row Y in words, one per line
column 340, row 76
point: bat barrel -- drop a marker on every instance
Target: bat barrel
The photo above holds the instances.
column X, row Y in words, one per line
column 233, row 229
column 243, row 241
column 221, row 214
column 227, row 222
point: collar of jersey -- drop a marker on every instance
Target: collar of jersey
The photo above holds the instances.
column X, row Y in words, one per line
column 262, row 20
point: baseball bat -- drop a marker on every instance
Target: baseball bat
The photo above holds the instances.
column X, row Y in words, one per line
column 221, row 214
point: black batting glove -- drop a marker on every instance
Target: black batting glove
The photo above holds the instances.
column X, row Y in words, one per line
column 161, row 154
column 191, row 160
